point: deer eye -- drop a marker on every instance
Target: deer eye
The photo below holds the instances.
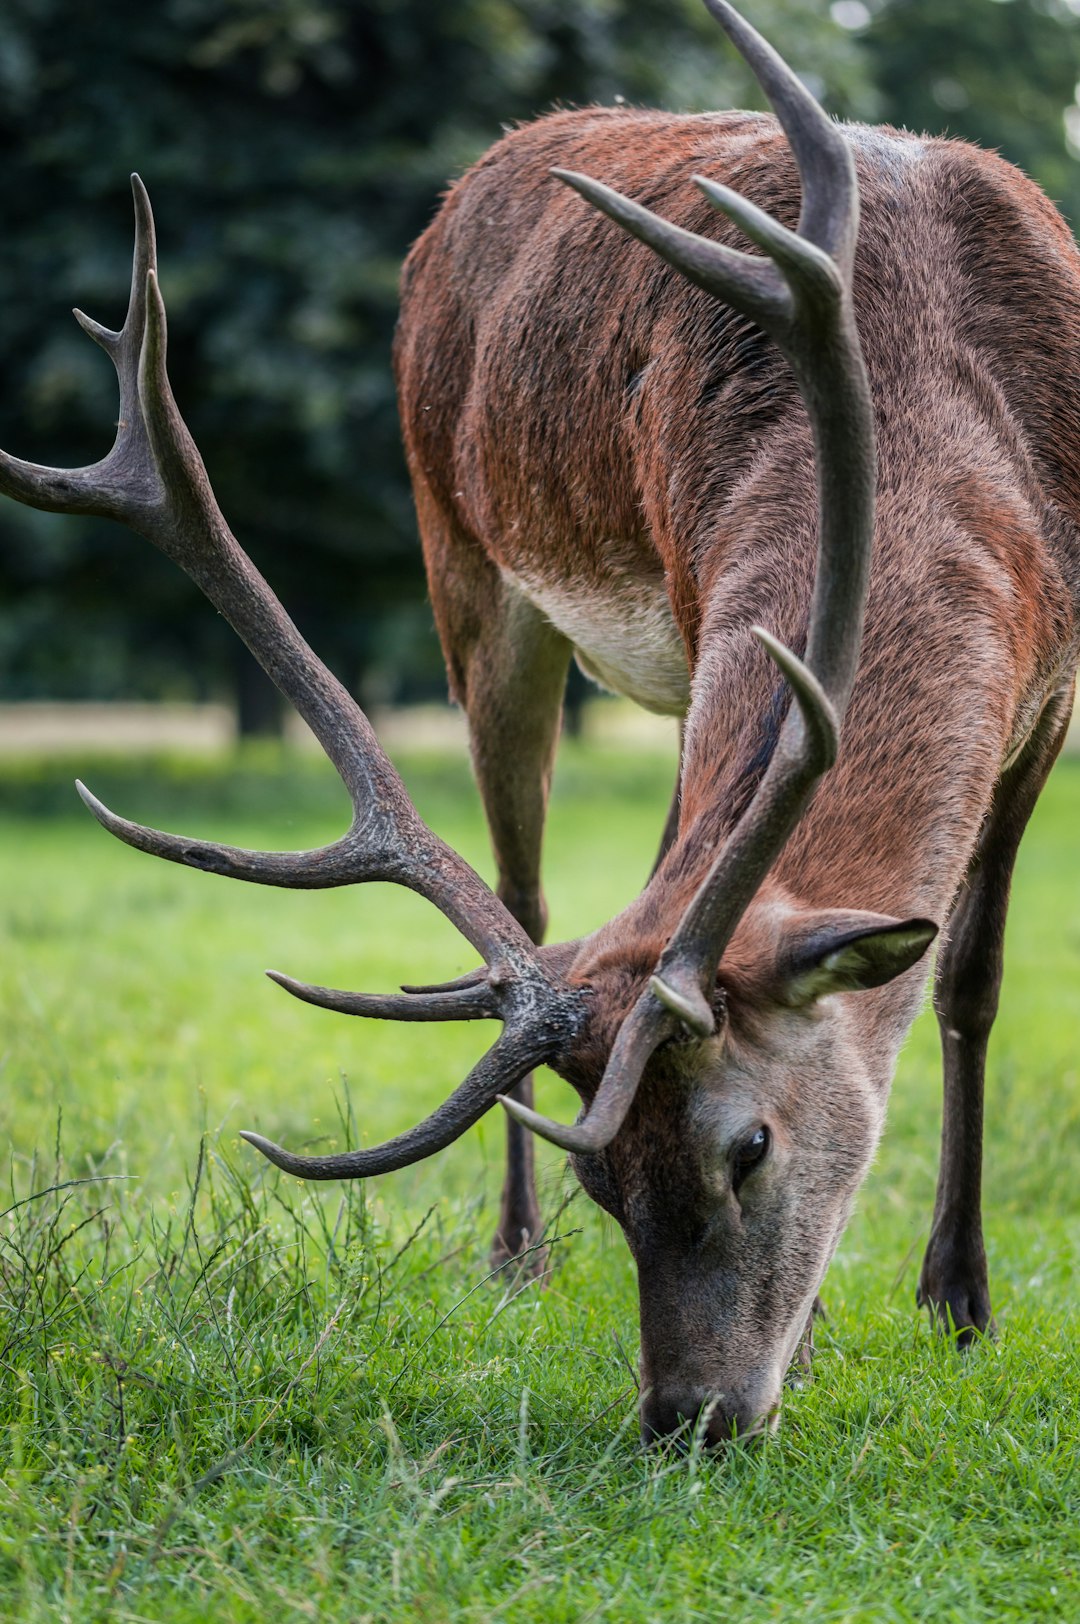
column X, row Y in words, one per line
column 749, row 1154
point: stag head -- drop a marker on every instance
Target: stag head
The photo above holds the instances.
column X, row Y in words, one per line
column 736, row 1168
column 729, row 1110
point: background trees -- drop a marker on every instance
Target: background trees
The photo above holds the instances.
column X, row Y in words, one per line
column 294, row 148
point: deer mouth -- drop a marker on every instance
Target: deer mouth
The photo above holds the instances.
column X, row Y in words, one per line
column 683, row 1425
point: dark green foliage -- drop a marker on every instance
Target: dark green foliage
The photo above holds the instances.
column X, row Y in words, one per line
column 293, row 151
column 997, row 72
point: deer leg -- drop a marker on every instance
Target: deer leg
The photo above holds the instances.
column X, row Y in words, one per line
column 507, row 667
column 953, row 1282
column 671, row 824
column 514, row 703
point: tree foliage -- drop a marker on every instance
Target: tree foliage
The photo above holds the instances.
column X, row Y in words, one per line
column 1002, row 73
column 293, row 149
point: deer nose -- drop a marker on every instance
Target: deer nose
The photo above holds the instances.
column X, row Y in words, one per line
column 714, row 1417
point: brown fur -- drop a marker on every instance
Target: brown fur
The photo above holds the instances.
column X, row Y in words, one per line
column 576, row 415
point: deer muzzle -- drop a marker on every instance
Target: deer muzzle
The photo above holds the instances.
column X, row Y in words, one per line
column 746, row 1409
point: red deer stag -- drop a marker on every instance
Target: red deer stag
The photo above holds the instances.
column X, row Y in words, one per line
column 611, row 457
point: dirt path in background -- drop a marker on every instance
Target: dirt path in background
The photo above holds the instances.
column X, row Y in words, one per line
column 45, row 728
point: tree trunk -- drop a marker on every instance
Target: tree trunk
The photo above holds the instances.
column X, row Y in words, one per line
column 260, row 709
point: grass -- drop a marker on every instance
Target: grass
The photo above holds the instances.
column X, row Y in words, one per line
column 226, row 1394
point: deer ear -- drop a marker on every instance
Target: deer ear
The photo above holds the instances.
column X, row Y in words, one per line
column 841, row 951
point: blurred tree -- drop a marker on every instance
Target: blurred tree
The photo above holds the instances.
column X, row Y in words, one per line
column 293, row 149
column 1002, row 73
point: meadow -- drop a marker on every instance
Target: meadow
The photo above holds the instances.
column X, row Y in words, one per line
column 228, row 1395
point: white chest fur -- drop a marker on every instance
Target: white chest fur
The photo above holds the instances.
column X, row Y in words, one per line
column 625, row 637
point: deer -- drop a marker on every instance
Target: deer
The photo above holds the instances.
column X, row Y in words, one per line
column 773, row 422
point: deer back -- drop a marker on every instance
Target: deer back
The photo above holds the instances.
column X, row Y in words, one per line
column 598, row 426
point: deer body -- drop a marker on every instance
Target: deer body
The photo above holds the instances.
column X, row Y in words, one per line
column 598, row 444
column 661, row 455
column 633, row 459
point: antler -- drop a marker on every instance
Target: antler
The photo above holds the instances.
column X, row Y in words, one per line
column 154, row 481
column 800, row 294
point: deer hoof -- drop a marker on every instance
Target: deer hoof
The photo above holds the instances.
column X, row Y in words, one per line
column 958, row 1308
column 519, row 1251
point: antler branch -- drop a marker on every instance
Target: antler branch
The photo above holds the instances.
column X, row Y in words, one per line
column 154, row 481
column 504, row 1065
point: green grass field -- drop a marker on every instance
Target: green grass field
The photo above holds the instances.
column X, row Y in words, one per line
column 228, row 1395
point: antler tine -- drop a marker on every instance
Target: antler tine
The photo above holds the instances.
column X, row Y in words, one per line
column 830, row 203
column 510, row 1059
column 746, row 281
column 799, row 293
column 119, row 480
column 472, row 1003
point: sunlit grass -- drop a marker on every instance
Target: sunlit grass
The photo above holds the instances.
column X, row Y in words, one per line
column 228, row 1394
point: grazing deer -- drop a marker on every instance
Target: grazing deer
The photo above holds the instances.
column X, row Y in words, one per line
column 615, row 448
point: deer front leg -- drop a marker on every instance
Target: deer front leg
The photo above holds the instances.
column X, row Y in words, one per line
column 953, row 1283
column 516, row 681
column 671, row 822
column 507, row 667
